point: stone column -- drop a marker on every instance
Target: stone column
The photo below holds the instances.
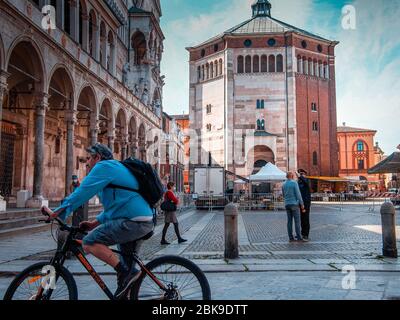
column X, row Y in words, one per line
column 41, row 105
column 103, row 46
column 74, row 20
column 85, row 32
column 3, row 90
column 94, row 129
column 96, row 41
column 70, row 118
column 60, row 14
column 111, row 138
column 124, row 146
column 133, row 148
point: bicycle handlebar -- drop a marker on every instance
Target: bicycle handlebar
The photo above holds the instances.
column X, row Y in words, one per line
column 63, row 226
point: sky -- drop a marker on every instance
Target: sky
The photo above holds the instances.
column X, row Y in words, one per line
column 367, row 58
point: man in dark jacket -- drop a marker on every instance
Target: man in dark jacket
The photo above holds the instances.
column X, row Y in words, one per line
column 304, row 186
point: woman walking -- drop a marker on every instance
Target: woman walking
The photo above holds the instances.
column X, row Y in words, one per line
column 170, row 216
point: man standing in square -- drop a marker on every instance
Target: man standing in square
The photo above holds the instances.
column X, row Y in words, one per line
column 293, row 200
column 305, row 191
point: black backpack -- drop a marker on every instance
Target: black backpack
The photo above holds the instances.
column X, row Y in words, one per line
column 150, row 186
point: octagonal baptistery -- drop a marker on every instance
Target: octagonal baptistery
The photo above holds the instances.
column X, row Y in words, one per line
column 264, row 91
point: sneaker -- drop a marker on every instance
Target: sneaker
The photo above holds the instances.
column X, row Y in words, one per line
column 305, row 239
column 164, row 242
column 125, row 280
column 292, row 240
column 299, row 240
column 181, row 240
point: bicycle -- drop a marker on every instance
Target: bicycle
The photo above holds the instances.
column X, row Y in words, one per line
column 41, row 281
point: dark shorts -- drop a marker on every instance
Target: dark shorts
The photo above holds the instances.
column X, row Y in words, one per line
column 119, row 231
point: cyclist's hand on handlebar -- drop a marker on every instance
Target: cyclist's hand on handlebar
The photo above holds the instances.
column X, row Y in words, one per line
column 48, row 213
column 88, row 225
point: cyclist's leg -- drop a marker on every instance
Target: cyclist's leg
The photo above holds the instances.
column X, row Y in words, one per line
column 114, row 232
column 127, row 250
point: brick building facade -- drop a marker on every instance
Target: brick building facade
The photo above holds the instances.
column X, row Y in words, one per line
column 358, row 152
column 85, row 71
column 264, row 91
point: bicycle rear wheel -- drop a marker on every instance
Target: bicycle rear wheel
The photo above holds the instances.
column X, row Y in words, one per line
column 27, row 285
column 183, row 279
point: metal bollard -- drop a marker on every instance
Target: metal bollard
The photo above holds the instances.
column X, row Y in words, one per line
column 388, row 217
column 231, row 231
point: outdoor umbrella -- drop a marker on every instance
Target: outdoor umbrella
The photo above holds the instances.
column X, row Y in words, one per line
column 390, row 165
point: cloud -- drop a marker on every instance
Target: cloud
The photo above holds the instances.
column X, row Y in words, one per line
column 367, row 59
column 368, row 71
column 195, row 29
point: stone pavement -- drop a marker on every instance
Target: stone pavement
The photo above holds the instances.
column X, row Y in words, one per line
column 351, row 236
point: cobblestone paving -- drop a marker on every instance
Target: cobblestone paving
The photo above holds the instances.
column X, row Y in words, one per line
column 335, row 234
column 152, row 246
column 149, row 247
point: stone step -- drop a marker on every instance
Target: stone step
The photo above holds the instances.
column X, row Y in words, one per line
column 15, row 219
column 33, row 228
column 30, row 229
column 18, row 214
column 17, row 223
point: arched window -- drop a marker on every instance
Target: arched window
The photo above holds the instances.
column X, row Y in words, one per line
column 139, row 46
column 264, row 63
column 310, row 67
column 315, row 158
column 216, row 68
column 271, row 63
column 207, row 71
column 198, row 73
column 360, row 146
column 320, row 72
column 256, row 64
column 220, row 67
column 279, row 63
column 299, row 65
column 248, row 64
column 103, row 45
column 240, row 64
column 82, row 13
column 212, row 69
column 305, row 65
column 315, row 68
column 67, row 17
column 327, row 71
column 203, row 74
column 110, row 52
column 92, row 33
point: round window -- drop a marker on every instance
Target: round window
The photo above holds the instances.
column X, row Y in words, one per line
column 271, row 42
column 319, row 48
column 203, row 53
column 304, row 44
column 247, row 43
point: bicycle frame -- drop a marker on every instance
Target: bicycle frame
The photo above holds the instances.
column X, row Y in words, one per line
column 75, row 246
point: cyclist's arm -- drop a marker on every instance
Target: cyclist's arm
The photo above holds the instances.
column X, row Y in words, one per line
column 98, row 178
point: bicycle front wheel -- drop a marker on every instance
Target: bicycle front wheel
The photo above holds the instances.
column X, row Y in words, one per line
column 181, row 278
column 36, row 283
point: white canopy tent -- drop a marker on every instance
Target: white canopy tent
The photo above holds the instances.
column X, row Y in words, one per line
column 269, row 173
